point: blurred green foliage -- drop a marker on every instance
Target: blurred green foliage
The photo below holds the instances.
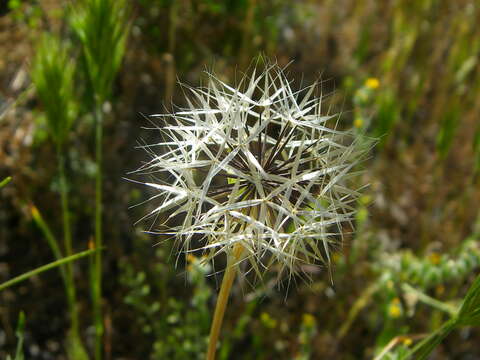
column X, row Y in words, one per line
column 101, row 26
column 20, row 336
column 179, row 330
column 53, row 76
column 409, row 73
column 30, row 15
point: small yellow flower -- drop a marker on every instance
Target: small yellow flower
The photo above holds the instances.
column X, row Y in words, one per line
column 372, row 83
column 435, row 258
column 308, row 320
column 394, row 310
column 407, row 341
column 268, row 321
column 358, row 122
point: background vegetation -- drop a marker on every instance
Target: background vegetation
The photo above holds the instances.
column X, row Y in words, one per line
column 407, row 72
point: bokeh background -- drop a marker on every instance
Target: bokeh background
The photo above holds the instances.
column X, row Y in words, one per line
column 405, row 72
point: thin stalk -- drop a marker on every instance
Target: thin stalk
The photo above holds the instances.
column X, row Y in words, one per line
column 222, row 300
column 96, row 263
column 170, row 57
column 67, row 239
column 447, row 308
column 247, row 34
column 5, row 181
column 394, row 342
column 362, row 301
column 51, row 240
column 52, row 265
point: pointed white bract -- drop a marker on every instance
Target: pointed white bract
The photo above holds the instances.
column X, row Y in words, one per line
column 256, row 165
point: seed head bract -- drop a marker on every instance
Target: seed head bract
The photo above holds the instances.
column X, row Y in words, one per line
column 257, row 165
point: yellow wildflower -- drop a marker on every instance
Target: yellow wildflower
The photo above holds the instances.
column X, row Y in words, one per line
column 394, row 310
column 358, row 122
column 268, row 321
column 308, row 320
column 372, row 83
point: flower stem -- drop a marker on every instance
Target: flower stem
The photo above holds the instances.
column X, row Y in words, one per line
column 96, row 264
column 222, row 300
column 67, row 237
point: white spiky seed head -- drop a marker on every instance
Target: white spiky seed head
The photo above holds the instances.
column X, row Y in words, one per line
column 256, row 166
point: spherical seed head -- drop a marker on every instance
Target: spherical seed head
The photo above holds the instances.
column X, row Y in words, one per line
column 255, row 166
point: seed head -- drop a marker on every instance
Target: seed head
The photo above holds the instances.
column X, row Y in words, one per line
column 256, row 166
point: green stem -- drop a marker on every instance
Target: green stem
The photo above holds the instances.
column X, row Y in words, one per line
column 5, row 181
column 170, row 57
column 247, row 34
column 51, row 240
column 67, row 238
column 54, row 264
column 222, row 300
column 362, row 301
column 96, row 264
column 449, row 309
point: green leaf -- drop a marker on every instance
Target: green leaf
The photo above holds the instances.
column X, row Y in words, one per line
column 423, row 349
column 469, row 314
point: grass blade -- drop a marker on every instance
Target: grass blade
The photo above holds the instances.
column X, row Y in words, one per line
column 5, row 181
column 52, row 265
